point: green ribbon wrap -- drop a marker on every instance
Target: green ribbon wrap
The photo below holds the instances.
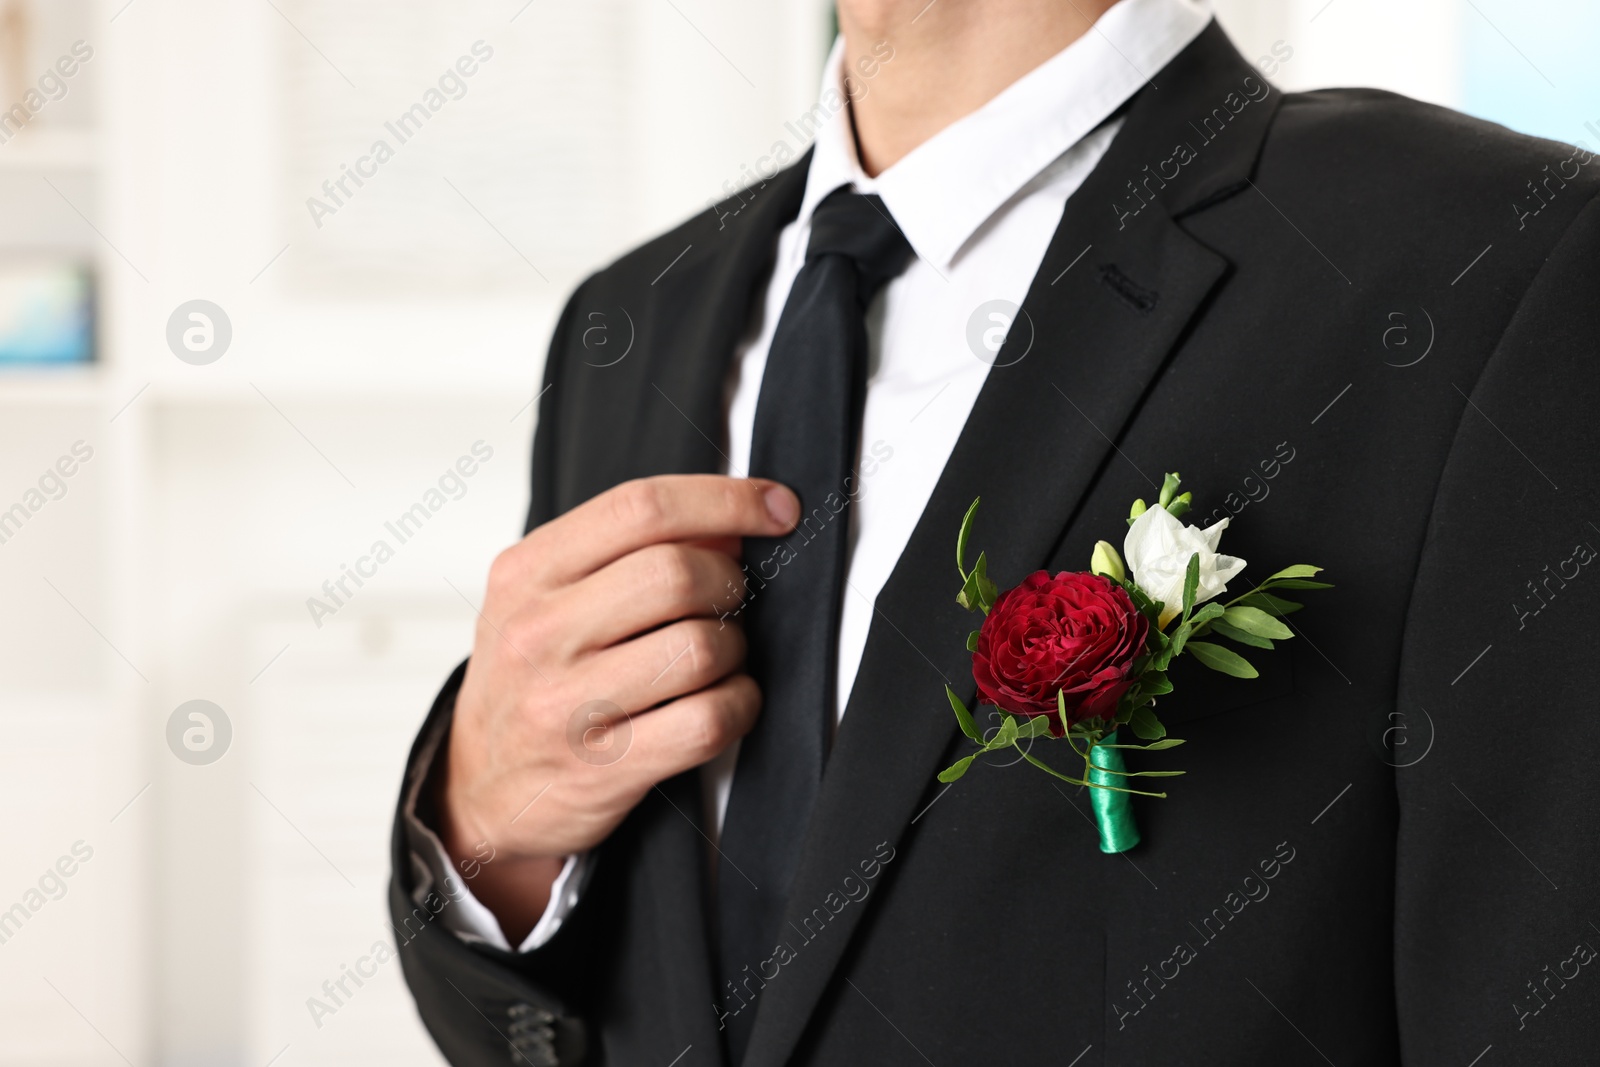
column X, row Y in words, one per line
column 1113, row 811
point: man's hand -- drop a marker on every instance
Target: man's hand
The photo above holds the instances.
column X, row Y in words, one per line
column 602, row 664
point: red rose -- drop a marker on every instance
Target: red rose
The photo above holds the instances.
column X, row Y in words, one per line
column 1075, row 633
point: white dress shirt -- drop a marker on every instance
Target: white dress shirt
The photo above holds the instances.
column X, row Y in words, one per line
column 979, row 203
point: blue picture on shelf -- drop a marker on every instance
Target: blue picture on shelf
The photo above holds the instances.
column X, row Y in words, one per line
column 46, row 314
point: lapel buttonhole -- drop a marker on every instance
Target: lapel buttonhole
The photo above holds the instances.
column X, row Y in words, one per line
column 1126, row 289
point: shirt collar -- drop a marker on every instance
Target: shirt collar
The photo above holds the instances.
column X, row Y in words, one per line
column 948, row 186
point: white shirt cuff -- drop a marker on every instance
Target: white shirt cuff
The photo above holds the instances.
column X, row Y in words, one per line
column 468, row 918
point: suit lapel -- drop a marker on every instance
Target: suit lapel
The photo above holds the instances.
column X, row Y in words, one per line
column 1111, row 300
column 659, row 408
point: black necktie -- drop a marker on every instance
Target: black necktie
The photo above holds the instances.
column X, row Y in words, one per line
column 808, row 420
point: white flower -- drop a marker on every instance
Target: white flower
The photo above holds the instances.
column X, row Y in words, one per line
column 1157, row 551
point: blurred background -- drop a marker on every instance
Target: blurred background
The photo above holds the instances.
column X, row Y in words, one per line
column 226, row 365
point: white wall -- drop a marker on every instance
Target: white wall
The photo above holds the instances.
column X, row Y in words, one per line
column 366, row 358
column 1412, row 47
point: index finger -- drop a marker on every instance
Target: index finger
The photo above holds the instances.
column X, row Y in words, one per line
column 648, row 511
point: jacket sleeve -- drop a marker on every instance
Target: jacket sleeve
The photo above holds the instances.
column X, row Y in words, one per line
column 481, row 1004
column 1497, row 865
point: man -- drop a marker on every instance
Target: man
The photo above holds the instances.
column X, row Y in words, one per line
column 680, row 805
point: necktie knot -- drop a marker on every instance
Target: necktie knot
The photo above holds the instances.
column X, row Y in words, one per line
column 860, row 228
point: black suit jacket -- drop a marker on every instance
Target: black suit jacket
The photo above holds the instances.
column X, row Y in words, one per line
column 1365, row 326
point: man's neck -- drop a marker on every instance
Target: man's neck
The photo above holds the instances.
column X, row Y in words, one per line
column 948, row 58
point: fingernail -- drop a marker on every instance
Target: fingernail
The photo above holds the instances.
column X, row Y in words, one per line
column 782, row 505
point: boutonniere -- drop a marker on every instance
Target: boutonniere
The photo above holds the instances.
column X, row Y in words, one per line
column 1077, row 656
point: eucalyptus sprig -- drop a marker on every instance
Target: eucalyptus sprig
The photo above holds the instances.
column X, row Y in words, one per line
column 1254, row 619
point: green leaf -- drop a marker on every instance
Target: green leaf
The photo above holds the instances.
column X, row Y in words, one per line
column 1255, row 621
column 1146, row 726
column 1150, row 609
column 972, row 641
column 1296, row 583
column 1299, row 570
column 961, row 538
column 963, row 716
column 1191, row 583
column 1180, row 637
column 1220, row 659
column 1160, row 640
column 1272, row 605
column 1034, row 726
column 968, row 597
column 957, row 769
column 1008, row 733
column 1154, row 684
column 986, row 589
column 1061, row 712
column 1154, row 746
column 1191, row 626
column 1222, row 629
column 978, row 592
